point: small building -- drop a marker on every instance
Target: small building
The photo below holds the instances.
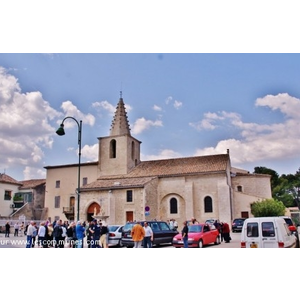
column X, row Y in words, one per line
column 22, row 200
column 8, row 188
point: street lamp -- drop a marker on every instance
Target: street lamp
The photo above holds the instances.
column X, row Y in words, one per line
column 60, row 131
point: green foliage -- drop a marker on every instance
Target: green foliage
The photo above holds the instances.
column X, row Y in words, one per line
column 267, row 208
column 285, row 188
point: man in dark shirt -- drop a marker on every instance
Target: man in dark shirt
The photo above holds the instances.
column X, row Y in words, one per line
column 184, row 233
column 7, row 229
column 97, row 234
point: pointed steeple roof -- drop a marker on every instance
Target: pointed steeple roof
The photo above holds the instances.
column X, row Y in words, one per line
column 120, row 124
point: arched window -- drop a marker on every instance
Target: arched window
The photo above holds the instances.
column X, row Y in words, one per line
column 208, row 206
column 113, row 149
column 173, row 206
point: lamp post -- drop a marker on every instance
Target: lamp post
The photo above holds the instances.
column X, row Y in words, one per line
column 60, row 131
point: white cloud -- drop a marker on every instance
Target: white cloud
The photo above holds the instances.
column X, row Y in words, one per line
column 24, row 123
column 26, row 130
column 258, row 142
column 108, row 107
column 71, row 110
column 142, row 124
column 157, row 108
column 169, row 99
column 177, row 104
column 90, row 152
column 288, row 105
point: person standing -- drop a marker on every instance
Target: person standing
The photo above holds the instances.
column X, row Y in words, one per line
column 171, row 224
column 103, row 237
column 71, row 235
column 80, row 234
column 34, row 234
column 184, row 233
column 175, row 225
column 218, row 227
column 22, row 229
column 226, row 232
column 29, row 234
column 91, row 234
column 49, row 235
column 97, row 234
column 17, row 227
column 26, row 227
column 7, row 229
column 148, row 239
column 42, row 235
column 57, row 234
column 137, row 233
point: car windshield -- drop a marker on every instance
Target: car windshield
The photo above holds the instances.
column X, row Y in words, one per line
column 195, row 228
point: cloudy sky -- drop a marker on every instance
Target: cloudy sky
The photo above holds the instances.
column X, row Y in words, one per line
column 178, row 105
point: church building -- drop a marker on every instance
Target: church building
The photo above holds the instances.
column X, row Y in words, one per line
column 119, row 187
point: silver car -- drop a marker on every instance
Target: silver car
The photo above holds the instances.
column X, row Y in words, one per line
column 115, row 235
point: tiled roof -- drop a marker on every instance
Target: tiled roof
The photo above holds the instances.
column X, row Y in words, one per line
column 148, row 170
column 7, row 179
column 181, row 166
column 32, row 183
column 113, row 183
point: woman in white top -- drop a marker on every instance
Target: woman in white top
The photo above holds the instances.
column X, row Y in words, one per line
column 41, row 235
column 148, row 238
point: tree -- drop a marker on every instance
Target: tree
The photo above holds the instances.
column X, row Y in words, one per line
column 285, row 188
column 284, row 192
column 268, row 208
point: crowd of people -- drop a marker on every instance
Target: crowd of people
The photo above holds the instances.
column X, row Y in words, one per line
column 59, row 234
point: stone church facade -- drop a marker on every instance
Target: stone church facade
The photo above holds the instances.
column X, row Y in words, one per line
column 119, row 187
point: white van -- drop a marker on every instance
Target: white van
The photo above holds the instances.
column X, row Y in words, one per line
column 267, row 232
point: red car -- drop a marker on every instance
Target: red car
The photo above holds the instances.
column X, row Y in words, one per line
column 199, row 235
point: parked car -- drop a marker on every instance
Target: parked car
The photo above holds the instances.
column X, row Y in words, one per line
column 115, row 235
column 237, row 224
column 199, row 235
column 162, row 234
column 211, row 221
column 267, row 232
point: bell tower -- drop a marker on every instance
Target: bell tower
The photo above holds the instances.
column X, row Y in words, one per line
column 119, row 152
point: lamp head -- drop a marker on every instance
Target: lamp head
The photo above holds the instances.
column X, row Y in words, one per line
column 60, row 130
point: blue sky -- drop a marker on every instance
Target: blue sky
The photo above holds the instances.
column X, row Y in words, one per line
column 178, row 105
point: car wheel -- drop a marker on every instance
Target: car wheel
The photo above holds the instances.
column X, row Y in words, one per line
column 120, row 243
column 200, row 244
column 217, row 241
